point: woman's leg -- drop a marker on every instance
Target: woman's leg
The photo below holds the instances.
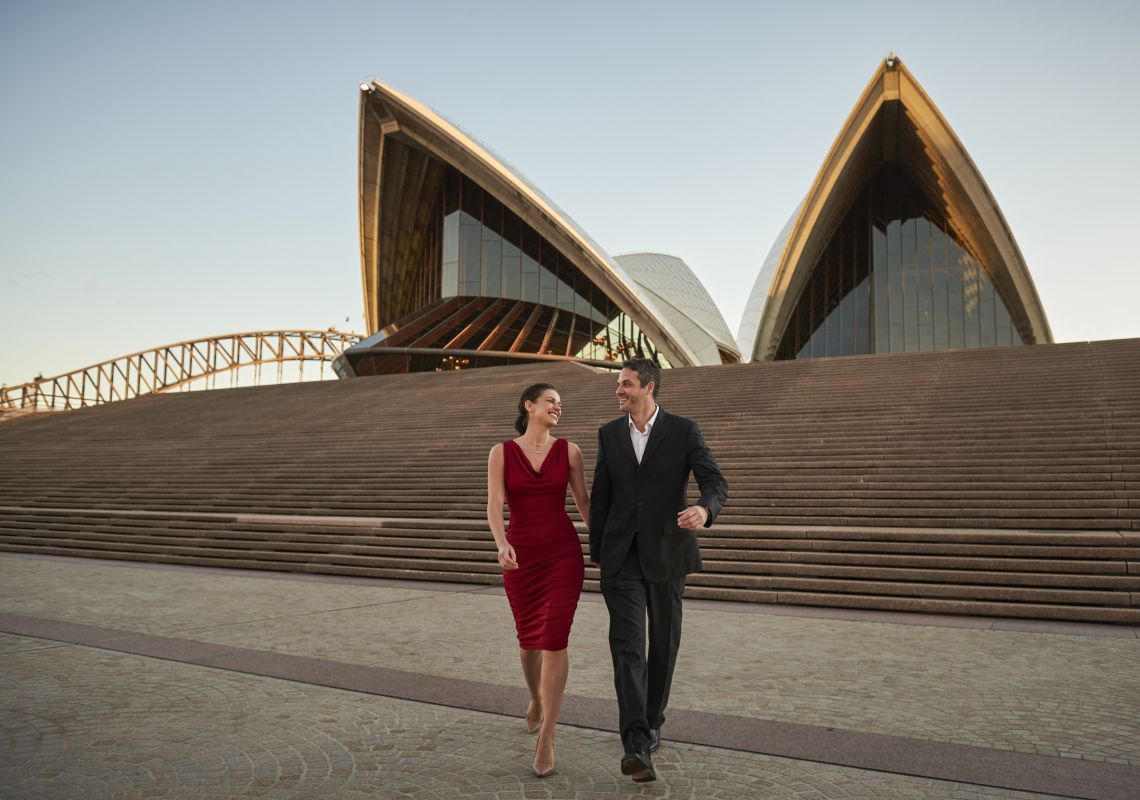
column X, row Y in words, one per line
column 532, row 673
column 555, row 667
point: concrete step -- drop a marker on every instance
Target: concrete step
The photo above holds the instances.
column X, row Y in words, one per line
column 955, row 480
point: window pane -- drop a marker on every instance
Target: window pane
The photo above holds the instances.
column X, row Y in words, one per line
column 863, row 318
column 940, row 311
column 450, row 277
column 847, row 325
column 471, row 198
column 565, row 296
column 956, row 292
column 925, row 285
column 880, row 292
column 894, row 284
column 986, row 327
column 909, row 288
column 831, row 332
column 923, row 289
column 530, row 270
column 970, row 298
column 549, row 287
column 492, row 264
column 470, row 255
column 1005, row 335
column 512, row 268
column 492, row 214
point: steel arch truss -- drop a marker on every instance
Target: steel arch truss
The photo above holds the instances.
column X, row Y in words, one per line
column 173, row 367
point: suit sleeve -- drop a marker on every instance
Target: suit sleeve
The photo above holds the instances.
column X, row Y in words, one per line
column 714, row 488
column 600, row 492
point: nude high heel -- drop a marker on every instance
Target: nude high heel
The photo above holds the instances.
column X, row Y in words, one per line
column 531, row 727
column 545, row 771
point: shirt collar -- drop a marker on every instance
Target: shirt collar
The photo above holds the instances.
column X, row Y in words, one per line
column 648, row 425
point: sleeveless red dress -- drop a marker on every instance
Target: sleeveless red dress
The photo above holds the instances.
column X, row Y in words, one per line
column 544, row 590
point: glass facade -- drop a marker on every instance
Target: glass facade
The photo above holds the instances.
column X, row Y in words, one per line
column 488, row 251
column 895, row 279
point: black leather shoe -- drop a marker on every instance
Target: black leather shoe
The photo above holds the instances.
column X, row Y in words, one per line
column 654, row 740
column 640, row 766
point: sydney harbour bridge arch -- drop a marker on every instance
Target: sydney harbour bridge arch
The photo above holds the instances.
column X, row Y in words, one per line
column 195, row 363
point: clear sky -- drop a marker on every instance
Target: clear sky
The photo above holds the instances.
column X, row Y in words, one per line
column 177, row 170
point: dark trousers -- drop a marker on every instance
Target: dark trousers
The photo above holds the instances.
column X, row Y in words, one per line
column 642, row 683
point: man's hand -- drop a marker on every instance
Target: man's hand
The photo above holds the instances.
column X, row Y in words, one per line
column 507, row 558
column 693, row 518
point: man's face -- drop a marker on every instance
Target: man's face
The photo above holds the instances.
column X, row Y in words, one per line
column 631, row 394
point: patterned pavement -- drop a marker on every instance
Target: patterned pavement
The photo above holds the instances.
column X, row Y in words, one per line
column 79, row 722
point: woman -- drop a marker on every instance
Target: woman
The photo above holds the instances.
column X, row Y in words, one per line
column 539, row 553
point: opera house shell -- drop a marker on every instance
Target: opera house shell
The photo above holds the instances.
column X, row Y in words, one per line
column 465, row 264
column 899, row 246
column 683, row 299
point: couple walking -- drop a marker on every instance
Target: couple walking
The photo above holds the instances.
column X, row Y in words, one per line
column 642, row 537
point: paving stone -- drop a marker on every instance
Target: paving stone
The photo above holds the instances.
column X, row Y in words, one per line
column 1018, row 691
column 90, row 723
column 80, row 723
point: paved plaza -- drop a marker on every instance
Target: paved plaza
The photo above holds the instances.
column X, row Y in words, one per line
column 130, row 680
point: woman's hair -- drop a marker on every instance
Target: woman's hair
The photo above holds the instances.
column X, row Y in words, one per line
column 529, row 395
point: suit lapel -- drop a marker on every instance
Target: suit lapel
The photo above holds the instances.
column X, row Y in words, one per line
column 656, row 434
column 626, row 441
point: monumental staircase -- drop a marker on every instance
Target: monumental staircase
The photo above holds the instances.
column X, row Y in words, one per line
column 999, row 482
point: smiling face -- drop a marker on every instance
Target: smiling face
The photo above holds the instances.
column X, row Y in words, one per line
column 632, row 396
column 546, row 410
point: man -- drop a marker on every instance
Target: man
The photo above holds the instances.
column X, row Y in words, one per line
column 642, row 537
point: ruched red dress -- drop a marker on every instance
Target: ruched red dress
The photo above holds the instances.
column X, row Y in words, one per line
column 544, row 590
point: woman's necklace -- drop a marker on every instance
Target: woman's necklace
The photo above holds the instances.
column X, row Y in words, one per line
column 538, row 447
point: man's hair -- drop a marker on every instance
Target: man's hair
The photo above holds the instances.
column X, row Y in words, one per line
column 646, row 371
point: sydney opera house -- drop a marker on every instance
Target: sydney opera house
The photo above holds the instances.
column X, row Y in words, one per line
column 898, row 246
column 953, row 472
column 466, row 263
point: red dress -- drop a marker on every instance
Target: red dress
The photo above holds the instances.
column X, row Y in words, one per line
column 543, row 591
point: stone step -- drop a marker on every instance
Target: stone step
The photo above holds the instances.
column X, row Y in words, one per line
column 787, row 564
column 983, row 476
column 464, row 563
column 1075, row 612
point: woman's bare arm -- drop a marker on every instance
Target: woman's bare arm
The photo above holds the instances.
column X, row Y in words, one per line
column 578, row 483
column 496, row 500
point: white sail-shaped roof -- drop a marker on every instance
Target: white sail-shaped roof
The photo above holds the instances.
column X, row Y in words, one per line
column 893, row 120
column 673, row 287
column 451, row 144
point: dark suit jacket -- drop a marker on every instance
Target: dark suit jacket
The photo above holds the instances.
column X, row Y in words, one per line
column 630, row 499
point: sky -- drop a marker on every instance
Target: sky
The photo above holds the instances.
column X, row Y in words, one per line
column 172, row 171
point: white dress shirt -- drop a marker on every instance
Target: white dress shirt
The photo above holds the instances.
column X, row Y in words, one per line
column 638, row 438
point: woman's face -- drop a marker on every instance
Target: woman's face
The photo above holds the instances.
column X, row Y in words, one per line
column 546, row 410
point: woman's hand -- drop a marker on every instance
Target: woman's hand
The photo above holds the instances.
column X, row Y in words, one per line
column 507, row 557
